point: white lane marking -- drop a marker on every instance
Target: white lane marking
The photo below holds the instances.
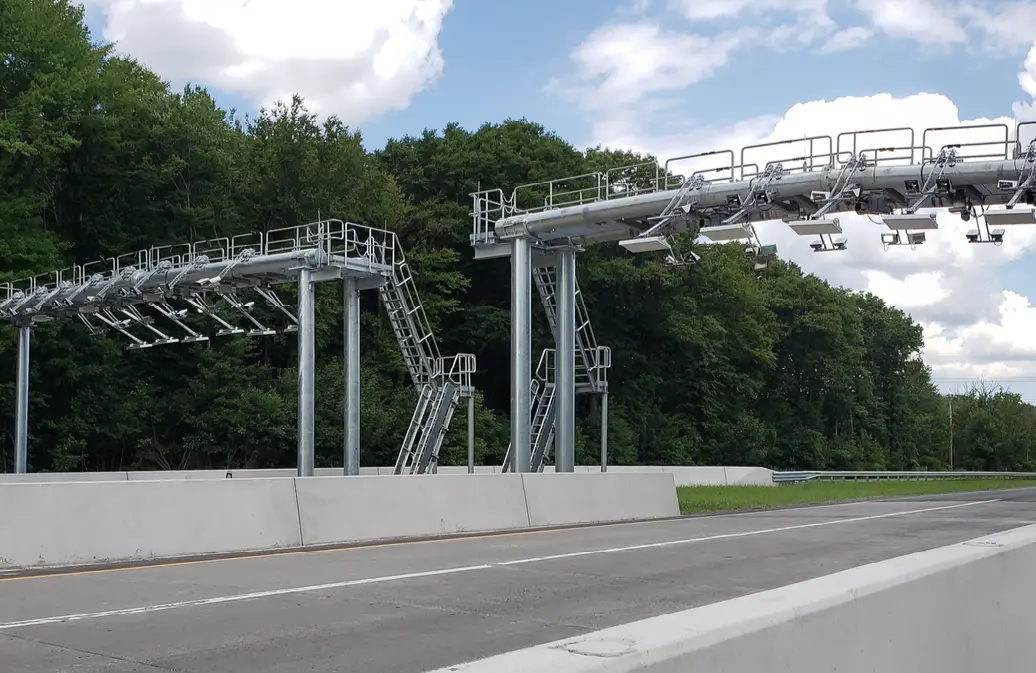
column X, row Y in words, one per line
column 727, row 536
column 145, row 609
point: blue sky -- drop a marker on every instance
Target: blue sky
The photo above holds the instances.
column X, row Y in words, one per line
column 501, row 55
column 666, row 76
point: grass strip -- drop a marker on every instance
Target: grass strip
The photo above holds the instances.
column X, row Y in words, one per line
column 701, row 499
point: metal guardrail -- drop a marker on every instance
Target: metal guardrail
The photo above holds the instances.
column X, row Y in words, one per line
column 814, row 475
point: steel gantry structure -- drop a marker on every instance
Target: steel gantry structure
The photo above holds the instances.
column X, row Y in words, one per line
column 576, row 365
column 126, row 294
column 890, row 173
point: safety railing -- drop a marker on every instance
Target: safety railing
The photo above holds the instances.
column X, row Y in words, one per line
column 892, row 146
column 995, row 149
column 1025, row 139
column 819, row 154
column 599, row 360
column 127, row 276
column 627, row 181
column 488, row 206
column 671, row 176
column 835, row 475
column 458, row 370
column 570, row 191
column 545, row 369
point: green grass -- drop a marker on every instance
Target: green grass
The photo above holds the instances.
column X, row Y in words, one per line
column 699, row 499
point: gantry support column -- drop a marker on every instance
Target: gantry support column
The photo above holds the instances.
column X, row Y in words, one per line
column 307, row 373
column 352, row 377
column 21, row 417
column 565, row 373
column 604, row 432
column 471, row 435
column 521, row 353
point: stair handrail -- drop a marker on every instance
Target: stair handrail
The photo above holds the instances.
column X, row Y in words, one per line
column 424, row 337
column 546, row 367
column 586, row 341
column 458, row 370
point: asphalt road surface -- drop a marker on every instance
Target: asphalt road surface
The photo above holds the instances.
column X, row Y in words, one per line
column 412, row 607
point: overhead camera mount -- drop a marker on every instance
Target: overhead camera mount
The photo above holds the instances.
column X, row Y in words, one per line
column 910, row 238
column 659, row 237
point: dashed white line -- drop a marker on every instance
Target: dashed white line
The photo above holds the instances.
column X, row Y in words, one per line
column 144, row 609
column 236, row 598
column 727, row 536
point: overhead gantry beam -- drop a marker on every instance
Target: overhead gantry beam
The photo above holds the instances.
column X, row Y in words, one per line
column 844, row 175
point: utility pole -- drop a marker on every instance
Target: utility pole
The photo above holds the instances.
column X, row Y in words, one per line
column 951, row 433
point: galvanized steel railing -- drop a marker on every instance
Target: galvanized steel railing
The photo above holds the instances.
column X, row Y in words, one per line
column 833, row 475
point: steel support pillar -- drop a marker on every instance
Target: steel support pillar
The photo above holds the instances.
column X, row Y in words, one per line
column 521, row 353
column 471, row 435
column 307, row 373
column 21, row 418
column 604, row 432
column 565, row 372
column 352, row 377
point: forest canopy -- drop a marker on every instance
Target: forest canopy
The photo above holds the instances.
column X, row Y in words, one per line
column 713, row 363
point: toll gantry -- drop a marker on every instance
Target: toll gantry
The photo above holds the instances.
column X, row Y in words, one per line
column 576, row 365
column 146, row 294
column 803, row 182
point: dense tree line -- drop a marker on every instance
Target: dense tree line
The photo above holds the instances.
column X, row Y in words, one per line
column 713, row 363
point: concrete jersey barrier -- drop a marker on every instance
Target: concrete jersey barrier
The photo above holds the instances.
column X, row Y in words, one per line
column 563, row 499
column 957, row 609
column 683, row 476
column 90, row 523
column 85, row 523
column 372, row 508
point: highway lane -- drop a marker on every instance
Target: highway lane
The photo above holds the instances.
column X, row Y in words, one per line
column 417, row 606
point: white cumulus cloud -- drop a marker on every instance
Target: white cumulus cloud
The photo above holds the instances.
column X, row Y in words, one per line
column 1027, row 77
column 347, row 57
column 974, row 325
column 847, row 40
column 914, row 290
column 620, row 64
column 1027, row 80
column 926, row 21
column 1006, row 26
column 721, row 9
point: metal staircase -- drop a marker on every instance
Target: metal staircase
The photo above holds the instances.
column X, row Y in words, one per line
column 410, row 324
column 543, row 407
column 441, row 382
column 592, row 364
column 589, row 375
column 431, row 420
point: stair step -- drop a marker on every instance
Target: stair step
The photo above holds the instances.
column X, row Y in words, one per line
column 422, row 454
